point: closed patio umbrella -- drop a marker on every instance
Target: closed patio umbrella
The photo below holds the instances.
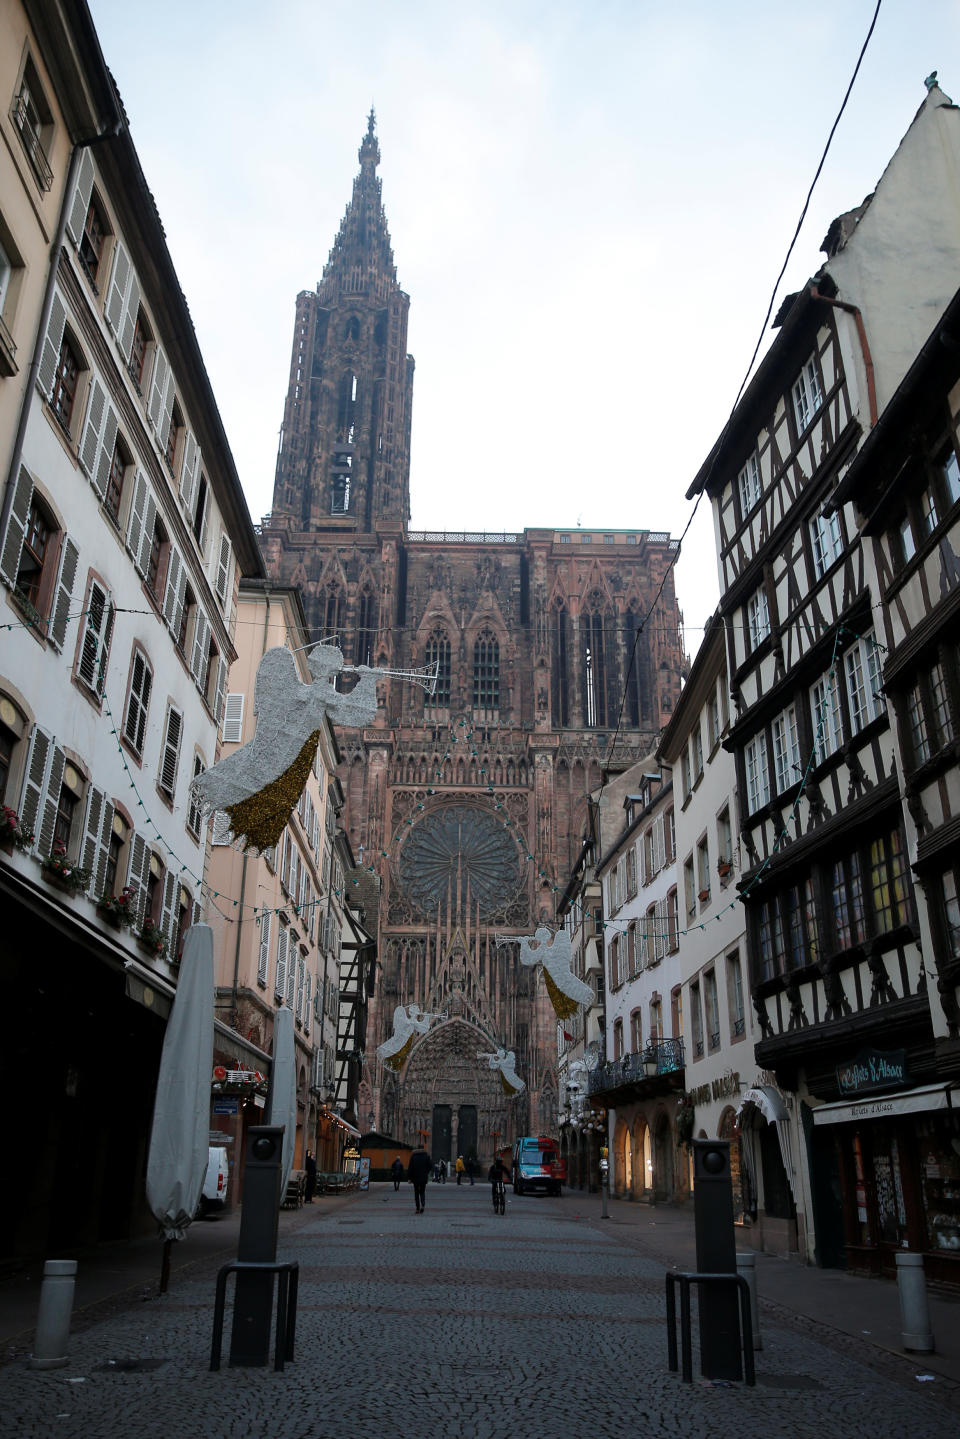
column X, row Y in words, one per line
column 282, row 1101
column 180, row 1135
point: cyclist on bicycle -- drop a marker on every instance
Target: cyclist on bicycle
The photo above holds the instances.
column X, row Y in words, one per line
column 497, row 1174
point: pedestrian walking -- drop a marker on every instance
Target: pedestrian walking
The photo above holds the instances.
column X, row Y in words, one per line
column 310, row 1167
column 396, row 1169
column 461, row 1168
column 418, row 1172
column 443, row 1171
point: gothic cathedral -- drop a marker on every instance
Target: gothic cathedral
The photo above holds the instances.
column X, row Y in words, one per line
column 470, row 801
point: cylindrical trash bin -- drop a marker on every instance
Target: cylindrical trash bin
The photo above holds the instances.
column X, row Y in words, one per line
column 53, row 1317
column 916, row 1332
column 747, row 1269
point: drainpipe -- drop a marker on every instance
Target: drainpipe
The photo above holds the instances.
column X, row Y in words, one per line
column 864, row 345
column 235, row 995
column 10, row 486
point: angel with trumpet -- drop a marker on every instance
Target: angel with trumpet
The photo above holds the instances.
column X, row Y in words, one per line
column 553, row 952
column 506, row 1061
column 408, row 1021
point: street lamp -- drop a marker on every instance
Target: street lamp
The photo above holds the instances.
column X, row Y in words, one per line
column 650, row 1063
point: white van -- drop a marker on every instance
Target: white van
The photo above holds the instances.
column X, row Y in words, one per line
column 216, row 1182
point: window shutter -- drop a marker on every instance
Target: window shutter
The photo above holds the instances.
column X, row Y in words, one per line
column 64, row 593
column 119, row 290
column 98, row 627
column 189, row 472
column 168, row 908
column 35, row 778
column 80, row 203
column 128, row 322
column 201, row 646
column 171, row 752
column 146, row 539
column 97, row 829
column 291, row 970
column 99, row 480
column 16, row 527
column 300, row 982
column 222, row 833
column 138, row 509
column 137, row 871
column 158, row 388
column 173, row 593
column 51, row 346
column 233, row 720
column 280, row 981
column 169, row 395
column 223, row 570
column 307, row 997
column 90, row 440
column 264, row 959
column 221, row 687
column 51, row 799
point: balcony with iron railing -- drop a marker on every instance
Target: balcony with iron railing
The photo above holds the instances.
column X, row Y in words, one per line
column 657, row 1069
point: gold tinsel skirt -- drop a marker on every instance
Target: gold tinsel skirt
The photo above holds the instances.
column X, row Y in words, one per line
column 261, row 818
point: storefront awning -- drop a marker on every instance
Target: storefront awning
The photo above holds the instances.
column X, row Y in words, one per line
column 767, row 1099
column 353, row 1133
column 881, row 1106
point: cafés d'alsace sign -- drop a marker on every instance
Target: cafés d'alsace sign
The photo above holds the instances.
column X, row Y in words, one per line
column 873, row 1070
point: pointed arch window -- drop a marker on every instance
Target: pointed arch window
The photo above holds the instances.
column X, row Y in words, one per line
column 340, row 493
column 346, row 404
column 332, row 614
column 486, row 672
column 636, row 710
column 438, row 653
column 559, row 666
column 599, row 659
column 367, row 618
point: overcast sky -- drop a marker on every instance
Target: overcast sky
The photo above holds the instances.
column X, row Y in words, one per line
column 589, row 202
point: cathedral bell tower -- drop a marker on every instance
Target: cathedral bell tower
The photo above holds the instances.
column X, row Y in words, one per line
column 344, row 461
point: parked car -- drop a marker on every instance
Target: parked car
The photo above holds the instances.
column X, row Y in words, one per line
column 216, row 1182
column 537, row 1165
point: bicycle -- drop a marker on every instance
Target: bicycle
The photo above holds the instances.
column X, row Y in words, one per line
column 499, row 1197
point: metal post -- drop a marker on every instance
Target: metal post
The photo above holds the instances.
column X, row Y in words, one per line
column 747, row 1269
column 259, row 1223
column 53, row 1317
column 917, row 1334
column 716, row 1254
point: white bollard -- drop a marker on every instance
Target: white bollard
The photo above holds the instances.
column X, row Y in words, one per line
column 747, row 1269
column 916, row 1332
column 53, row 1317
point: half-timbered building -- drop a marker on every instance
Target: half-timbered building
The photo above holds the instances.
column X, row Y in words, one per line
column 836, row 964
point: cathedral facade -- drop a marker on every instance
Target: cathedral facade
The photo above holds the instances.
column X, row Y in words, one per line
column 469, row 798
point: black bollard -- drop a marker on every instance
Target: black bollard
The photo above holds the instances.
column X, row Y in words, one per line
column 259, row 1223
column 716, row 1254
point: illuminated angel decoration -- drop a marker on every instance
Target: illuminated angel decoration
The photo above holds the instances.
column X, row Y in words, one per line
column 258, row 785
column 408, row 1022
column 505, row 1060
column 554, row 953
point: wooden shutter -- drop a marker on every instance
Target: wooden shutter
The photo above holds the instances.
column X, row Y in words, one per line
column 223, row 570
column 173, row 593
column 142, row 560
column 189, row 472
column 201, row 647
column 291, row 969
column 141, row 492
column 51, row 800
column 97, row 830
column 158, row 388
column 52, row 342
column 119, row 290
column 232, row 732
column 91, row 438
column 137, row 872
column 220, row 689
column 64, row 593
column 169, row 395
column 80, row 202
column 280, row 981
column 170, row 757
column 35, row 778
column 307, row 997
column 263, row 962
column 222, row 833
column 168, row 908
column 16, row 527
column 98, row 627
column 107, row 447
column 301, row 977
column 128, row 321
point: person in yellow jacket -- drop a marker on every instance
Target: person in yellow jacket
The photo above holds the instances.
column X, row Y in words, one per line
column 461, row 1168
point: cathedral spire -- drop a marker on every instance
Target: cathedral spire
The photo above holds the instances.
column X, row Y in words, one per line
column 361, row 260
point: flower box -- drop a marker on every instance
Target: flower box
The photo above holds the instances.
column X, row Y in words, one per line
column 152, row 938
column 723, row 868
column 61, row 871
column 118, row 910
column 13, row 834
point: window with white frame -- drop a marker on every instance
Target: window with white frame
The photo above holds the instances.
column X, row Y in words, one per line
column 786, row 750
column 749, row 485
column 826, row 717
column 757, row 774
column 95, row 644
column 170, row 753
column 758, row 617
column 735, row 994
column 138, row 701
column 807, row 395
column 826, row 539
column 862, row 668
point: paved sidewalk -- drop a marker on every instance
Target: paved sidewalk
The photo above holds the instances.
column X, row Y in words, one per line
column 863, row 1308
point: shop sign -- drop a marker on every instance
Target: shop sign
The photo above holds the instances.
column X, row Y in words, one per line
column 873, row 1069
column 226, row 1105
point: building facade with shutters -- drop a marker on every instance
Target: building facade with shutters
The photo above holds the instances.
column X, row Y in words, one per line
column 122, row 532
column 470, row 801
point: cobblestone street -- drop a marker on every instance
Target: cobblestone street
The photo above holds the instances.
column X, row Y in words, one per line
column 466, row 1323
